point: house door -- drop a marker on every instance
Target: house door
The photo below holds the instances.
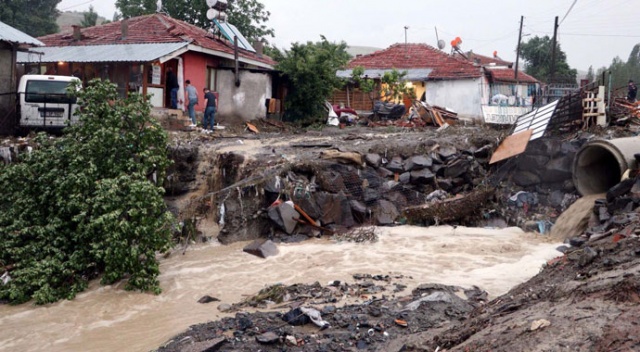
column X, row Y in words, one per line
column 173, row 64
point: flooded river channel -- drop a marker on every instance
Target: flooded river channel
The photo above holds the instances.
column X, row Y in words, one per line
column 111, row 319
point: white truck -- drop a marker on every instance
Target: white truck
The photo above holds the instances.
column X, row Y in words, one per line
column 44, row 102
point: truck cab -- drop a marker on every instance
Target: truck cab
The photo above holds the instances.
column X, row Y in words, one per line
column 45, row 103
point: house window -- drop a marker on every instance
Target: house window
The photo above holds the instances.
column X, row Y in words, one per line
column 212, row 79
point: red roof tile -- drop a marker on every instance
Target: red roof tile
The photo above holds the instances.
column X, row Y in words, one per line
column 156, row 28
column 414, row 56
column 509, row 75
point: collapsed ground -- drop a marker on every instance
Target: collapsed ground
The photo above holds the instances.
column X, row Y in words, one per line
column 390, row 176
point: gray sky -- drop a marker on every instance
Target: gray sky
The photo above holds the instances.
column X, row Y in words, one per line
column 593, row 33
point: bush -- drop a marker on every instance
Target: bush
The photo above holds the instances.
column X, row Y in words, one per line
column 87, row 204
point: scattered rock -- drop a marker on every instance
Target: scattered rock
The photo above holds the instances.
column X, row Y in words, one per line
column 268, row 338
column 373, row 160
column 395, row 165
column 417, row 162
column 224, row 307
column 208, row 299
column 385, row 213
column 539, row 324
column 261, row 248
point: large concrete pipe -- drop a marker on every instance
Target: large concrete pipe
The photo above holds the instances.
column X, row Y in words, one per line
column 600, row 164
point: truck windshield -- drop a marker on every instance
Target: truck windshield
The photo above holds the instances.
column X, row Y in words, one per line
column 48, row 92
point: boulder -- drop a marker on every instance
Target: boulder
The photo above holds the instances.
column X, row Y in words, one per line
column 268, row 338
column 422, row 176
column 395, row 165
column 309, row 206
column 371, row 196
column 444, row 184
column 417, row 162
column 447, row 152
column 385, row 213
column 359, row 211
column 262, row 248
column 405, row 178
column 373, row 160
column 384, row 172
column 372, row 178
column 335, row 209
column 289, row 217
column 456, row 168
column 533, row 163
column 557, row 170
column 331, row 181
column 396, row 198
column 525, row 178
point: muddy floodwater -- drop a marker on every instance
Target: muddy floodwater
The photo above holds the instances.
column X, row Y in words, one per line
column 111, row 319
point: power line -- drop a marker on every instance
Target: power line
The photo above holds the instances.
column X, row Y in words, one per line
column 570, row 8
column 77, row 5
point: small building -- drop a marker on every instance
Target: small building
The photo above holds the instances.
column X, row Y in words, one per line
column 437, row 77
column 11, row 42
column 137, row 53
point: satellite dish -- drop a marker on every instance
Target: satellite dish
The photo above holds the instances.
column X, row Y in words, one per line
column 441, row 44
column 211, row 3
column 211, row 14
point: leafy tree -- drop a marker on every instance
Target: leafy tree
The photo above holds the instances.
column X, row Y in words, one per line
column 87, row 204
column 392, row 85
column 537, row 54
column 36, row 18
column 311, row 68
column 249, row 16
column 90, row 18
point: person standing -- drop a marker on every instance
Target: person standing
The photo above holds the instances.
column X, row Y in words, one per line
column 210, row 104
column 632, row 92
column 192, row 97
column 172, row 87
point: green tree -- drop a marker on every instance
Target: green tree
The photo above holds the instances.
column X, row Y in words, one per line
column 311, row 69
column 90, row 18
column 87, row 204
column 392, row 87
column 537, row 55
column 591, row 76
column 249, row 16
column 36, row 18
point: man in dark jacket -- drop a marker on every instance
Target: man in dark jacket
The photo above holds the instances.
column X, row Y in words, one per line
column 632, row 92
column 210, row 109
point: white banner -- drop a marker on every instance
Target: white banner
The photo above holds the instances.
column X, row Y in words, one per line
column 503, row 115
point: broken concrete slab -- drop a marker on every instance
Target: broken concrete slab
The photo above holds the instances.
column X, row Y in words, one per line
column 289, row 216
column 261, row 248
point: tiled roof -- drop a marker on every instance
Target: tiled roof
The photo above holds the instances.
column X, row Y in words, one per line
column 416, row 56
column 509, row 75
column 487, row 60
column 155, row 28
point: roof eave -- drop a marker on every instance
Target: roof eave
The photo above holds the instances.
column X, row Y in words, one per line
column 198, row 48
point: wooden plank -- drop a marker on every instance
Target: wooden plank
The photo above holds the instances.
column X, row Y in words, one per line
column 512, row 146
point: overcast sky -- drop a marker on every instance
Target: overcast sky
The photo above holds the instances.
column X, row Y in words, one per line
column 593, row 32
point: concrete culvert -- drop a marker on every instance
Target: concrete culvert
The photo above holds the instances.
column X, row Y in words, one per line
column 600, row 164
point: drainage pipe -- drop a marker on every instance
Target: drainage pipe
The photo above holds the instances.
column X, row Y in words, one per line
column 600, row 164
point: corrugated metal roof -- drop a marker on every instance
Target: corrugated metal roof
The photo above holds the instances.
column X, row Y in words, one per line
column 10, row 34
column 102, row 53
column 413, row 74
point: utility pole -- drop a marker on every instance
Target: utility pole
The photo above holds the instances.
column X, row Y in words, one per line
column 553, row 51
column 518, row 49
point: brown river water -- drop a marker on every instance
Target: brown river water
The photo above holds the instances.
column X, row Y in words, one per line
column 111, row 319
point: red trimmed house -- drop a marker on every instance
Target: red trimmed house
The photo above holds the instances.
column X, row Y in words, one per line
column 462, row 84
column 136, row 54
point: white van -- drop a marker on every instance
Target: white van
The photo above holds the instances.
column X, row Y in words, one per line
column 43, row 102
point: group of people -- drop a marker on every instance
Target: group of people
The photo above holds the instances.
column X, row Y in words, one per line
column 191, row 94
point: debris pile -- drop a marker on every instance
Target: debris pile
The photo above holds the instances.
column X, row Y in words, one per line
column 623, row 112
column 313, row 318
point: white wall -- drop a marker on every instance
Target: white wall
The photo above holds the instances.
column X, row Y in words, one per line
column 246, row 102
column 464, row 96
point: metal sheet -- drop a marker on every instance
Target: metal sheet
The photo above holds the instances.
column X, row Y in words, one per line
column 511, row 146
column 10, row 34
column 101, row 53
column 413, row 74
column 537, row 120
column 230, row 31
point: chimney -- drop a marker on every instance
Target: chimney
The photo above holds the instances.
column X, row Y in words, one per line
column 77, row 34
column 124, row 27
column 259, row 47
